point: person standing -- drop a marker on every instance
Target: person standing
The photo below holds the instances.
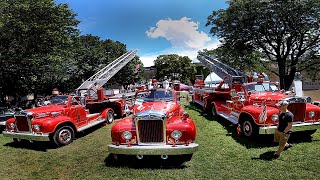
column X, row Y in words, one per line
column 283, row 130
column 166, row 84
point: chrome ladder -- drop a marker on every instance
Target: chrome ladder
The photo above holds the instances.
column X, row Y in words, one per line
column 105, row 74
column 222, row 70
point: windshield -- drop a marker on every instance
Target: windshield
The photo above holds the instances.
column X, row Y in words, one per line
column 61, row 100
column 263, row 87
column 155, row 95
column 199, row 77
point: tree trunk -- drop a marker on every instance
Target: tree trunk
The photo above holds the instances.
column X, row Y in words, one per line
column 285, row 79
column 290, row 77
column 282, row 73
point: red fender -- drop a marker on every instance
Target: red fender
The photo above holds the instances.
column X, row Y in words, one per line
column 50, row 124
column 105, row 112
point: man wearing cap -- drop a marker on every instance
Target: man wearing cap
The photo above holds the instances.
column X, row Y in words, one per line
column 283, row 130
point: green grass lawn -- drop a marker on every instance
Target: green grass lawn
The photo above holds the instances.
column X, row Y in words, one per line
column 221, row 155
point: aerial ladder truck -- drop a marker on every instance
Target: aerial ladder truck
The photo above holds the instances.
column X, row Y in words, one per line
column 96, row 97
column 99, row 79
column 203, row 95
column 251, row 103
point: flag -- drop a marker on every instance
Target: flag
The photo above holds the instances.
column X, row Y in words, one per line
column 263, row 115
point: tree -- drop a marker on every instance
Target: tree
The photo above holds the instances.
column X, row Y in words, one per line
column 175, row 67
column 239, row 57
column 286, row 33
column 92, row 54
column 130, row 74
column 40, row 49
column 33, row 36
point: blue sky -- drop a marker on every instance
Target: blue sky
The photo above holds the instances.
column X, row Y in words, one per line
column 153, row 27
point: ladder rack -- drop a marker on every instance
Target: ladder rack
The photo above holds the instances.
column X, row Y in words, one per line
column 222, row 70
column 106, row 73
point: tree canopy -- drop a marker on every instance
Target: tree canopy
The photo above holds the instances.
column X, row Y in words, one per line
column 32, row 35
column 41, row 49
column 175, row 67
column 284, row 33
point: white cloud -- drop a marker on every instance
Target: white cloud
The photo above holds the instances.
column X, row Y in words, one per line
column 181, row 33
column 148, row 60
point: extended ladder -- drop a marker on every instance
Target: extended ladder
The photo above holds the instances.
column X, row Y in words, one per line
column 105, row 74
column 221, row 69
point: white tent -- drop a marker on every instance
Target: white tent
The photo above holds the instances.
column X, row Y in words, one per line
column 212, row 78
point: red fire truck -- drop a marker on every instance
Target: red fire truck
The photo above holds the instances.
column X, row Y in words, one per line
column 159, row 127
column 251, row 105
column 67, row 114
column 57, row 122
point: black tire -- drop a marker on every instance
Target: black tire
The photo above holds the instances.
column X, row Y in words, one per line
column 187, row 157
column 214, row 111
column 63, row 136
column 114, row 160
column 180, row 159
column 16, row 140
column 249, row 129
column 109, row 117
column 205, row 106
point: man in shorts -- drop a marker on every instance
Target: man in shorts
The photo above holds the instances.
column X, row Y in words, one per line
column 283, row 130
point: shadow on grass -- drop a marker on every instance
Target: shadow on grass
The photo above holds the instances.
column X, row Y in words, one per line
column 36, row 146
column 91, row 130
column 2, row 129
column 267, row 156
column 44, row 146
column 148, row 162
column 199, row 109
column 259, row 141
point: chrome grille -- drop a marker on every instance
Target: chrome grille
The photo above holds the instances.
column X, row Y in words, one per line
column 298, row 110
column 22, row 123
column 150, row 131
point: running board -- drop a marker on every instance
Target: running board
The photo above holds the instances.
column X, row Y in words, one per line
column 199, row 102
column 91, row 124
column 232, row 119
column 91, row 115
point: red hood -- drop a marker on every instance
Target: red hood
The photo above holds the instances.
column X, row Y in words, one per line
column 48, row 108
column 156, row 106
column 270, row 98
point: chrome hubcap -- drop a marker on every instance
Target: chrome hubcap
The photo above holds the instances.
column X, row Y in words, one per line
column 65, row 135
column 110, row 117
column 247, row 128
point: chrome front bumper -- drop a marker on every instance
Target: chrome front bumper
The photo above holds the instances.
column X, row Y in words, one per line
column 295, row 127
column 153, row 149
column 27, row 136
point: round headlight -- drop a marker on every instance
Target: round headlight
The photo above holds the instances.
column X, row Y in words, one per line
column 312, row 114
column 12, row 125
column 127, row 135
column 36, row 127
column 274, row 117
column 176, row 134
